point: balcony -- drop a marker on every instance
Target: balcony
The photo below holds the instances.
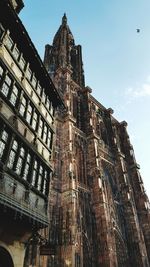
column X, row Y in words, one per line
column 25, row 203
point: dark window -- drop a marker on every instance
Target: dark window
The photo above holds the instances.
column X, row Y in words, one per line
column 23, row 106
column 27, row 167
column 14, row 95
column 13, row 154
column 39, row 183
column 6, row 85
column 20, row 161
column 29, row 113
column 3, row 142
column 1, row 31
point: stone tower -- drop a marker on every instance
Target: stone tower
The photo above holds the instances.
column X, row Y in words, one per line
column 100, row 213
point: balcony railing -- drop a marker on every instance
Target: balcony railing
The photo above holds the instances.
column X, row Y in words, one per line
column 14, row 195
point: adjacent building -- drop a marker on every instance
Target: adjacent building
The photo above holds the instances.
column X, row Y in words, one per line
column 28, row 100
column 99, row 211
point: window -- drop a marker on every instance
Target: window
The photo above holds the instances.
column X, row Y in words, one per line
column 29, row 74
column 27, row 167
column 16, row 53
column 1, row 72
column 12, row 155
column 49, row 139
column 20, row 161
column 1, row 31
column 29, row 113
column 34, row 120
column 39, row 184
column 48, row 103
column 45, row 134
column 34, row 81
column 45, row 182
column 23, row 106
column 22, row 63
column 51, row 110
column 6, row 85
column 9, row 43
column 14, row 95
column 34, row 174
column 41, row 124
column 3, row 142
column 44, row 97
column 39, row 89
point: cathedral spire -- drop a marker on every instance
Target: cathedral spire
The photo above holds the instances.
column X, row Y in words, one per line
column 64, row 19
column 64, row 53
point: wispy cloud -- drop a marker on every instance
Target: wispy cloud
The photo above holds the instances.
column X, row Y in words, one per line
column 142, row 90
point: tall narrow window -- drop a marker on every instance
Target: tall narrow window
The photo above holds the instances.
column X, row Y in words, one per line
column 39, row 89
column 22, row 62
column 41, row 125
column 16, row 53
column 45, row 133
column 43, row 97
column 14, row 95
column 29, row 113
column 1, row 72
column 3, row 142
column 45, row 182
column 9, row 43
column 34, row 81
column 49, row 139
column 39, row 184
column 34, row 120
column 23, row 106
column 27, row 167
column 29, row 74
column 6, row 85
column 34, row 174
column 20, row 161
column 12, row 156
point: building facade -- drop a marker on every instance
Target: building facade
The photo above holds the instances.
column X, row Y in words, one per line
column 99, row 211
column 28, row 100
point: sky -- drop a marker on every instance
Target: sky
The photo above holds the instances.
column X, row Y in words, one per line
column 116, row 57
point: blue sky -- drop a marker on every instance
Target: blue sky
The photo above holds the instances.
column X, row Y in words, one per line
column 116, row 58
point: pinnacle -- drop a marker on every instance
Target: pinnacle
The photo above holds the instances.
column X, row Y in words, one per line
column 64, row 19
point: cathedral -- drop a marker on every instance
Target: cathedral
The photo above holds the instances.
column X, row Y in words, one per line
column 71, row 193
column 99, row 211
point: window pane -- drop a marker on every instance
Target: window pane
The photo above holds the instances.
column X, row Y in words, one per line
column 16, row 53
column 1, row 72
column 29, row 113
column 45, row 133
column 3, row 141
column 6, row 85
column 39, row 89
column 20, row 161
column 29, row 74
column 12, row 155
column 40, row 178
column 22, row 63
column 41, row 127
column 34, row 120
column 9, row 42
column 34, row 81
column 34, row 174
column 14, row 95
column 23, row 106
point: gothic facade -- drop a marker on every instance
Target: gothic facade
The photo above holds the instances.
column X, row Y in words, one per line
column 99, row 211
